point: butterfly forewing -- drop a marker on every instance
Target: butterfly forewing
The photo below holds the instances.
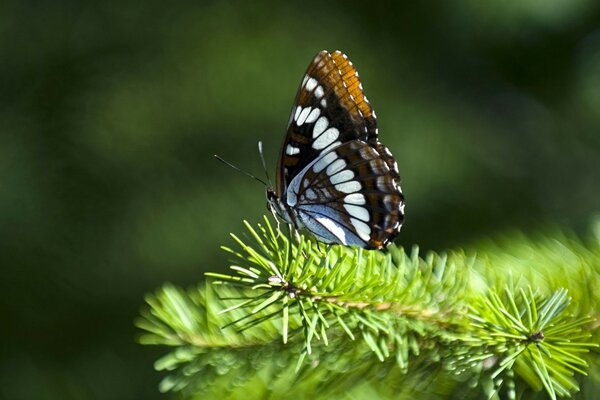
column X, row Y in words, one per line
column 330, row 109
column 334, row 178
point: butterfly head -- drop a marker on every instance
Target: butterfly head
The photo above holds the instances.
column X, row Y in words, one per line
column 272, row 199
column 277, row 207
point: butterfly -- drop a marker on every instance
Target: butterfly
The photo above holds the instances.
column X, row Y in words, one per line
column 334, row 178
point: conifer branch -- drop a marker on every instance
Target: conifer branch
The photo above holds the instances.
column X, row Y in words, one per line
column 291, row 313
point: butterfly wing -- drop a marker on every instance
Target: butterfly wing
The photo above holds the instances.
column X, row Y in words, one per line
column 350, row 195
column 334, row 177
column 330, row 108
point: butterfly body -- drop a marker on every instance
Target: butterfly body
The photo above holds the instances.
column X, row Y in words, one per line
column 334, row 178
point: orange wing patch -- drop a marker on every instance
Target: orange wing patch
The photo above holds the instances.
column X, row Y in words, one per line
column 351, row 84
column 338, row 74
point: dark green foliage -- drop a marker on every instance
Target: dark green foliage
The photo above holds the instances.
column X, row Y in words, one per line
column 296, row 320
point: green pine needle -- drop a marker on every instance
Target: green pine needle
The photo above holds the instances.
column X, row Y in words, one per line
column 534, row 335
column 331, row 319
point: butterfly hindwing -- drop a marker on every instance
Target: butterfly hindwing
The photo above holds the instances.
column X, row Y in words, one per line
column 349, row 195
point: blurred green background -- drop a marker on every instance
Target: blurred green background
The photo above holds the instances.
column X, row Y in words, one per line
column 110, row 114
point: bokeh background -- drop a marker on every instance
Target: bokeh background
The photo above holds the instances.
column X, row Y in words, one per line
column 110, row 114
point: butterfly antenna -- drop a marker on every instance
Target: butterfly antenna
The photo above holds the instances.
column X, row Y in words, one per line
column 264, row 164
column 240, row 170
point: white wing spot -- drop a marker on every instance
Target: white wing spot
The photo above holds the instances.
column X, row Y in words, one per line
column 381, row 185
column 319, row 92
column 311, row 83
column 302, row 117
column 312, row 117
column 348, row 187
column 373, row 113
column 324, row 161
column 304, row 80
column 379, row 168
column 386, row 220
column 336, row 166
column 326, row 138
column 357, row 212
column 355, row 198
column 323, row 103
column 388, row 201
column 363, row 230
column 365, row 152
column 291, row 150
column 298, row 109
column 343, row 176
column 320, row 126
column 310, row 194
column 332, row 227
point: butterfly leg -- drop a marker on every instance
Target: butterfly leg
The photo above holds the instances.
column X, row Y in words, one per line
column 319, row 246
column 328, row 247
column 295, row 233
column 278, row 223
